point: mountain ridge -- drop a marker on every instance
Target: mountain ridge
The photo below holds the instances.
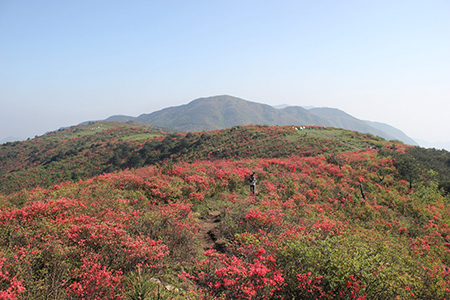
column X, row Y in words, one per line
column 224, row 111
column 398, row 134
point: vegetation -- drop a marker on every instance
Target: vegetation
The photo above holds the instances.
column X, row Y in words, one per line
column 337, row 215
column 436, row 160
column 85, row 151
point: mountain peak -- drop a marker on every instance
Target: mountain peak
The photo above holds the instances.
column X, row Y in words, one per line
column 224, row 111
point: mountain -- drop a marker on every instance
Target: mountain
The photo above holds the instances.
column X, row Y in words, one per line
column 394, row 132
column 120, row 118
column 281, row 106
column 10, row 139
column 219, row 112
column 341, row 119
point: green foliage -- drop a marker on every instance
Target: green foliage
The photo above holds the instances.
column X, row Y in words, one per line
column 416, row 164
column 436, row 160
column 383, row 269
column 408, row 168
column 142, row 287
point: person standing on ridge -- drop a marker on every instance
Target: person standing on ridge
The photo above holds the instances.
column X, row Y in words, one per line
column 252, row 182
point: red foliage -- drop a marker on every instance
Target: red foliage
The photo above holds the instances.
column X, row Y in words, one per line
column 94, row 281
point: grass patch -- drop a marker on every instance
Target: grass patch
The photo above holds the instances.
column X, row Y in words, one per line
column 79, row 131
column 140, row 136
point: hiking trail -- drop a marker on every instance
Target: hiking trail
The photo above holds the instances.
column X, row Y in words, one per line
column 206, row 235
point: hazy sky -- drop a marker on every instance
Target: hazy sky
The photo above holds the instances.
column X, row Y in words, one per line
column 64, row 62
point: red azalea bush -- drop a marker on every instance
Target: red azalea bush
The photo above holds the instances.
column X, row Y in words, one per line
column 253, row 276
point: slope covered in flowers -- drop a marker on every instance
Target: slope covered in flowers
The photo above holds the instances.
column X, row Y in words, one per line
column 340, row 225
column 84, row 151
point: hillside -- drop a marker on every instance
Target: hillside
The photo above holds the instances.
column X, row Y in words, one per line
column 67, row 154
column 221, row 112
column 337, row 215
column 108, row 146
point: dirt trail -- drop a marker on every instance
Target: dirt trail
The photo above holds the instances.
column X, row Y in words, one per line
column 206, row 233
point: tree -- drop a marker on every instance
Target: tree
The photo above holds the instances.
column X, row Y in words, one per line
column 408, row 168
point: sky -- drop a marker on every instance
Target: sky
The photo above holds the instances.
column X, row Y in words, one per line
column 65, row 62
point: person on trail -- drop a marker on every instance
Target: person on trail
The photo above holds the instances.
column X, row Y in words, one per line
column 252, row 182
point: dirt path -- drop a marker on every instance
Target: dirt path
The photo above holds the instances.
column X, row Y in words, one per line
column 206, row 233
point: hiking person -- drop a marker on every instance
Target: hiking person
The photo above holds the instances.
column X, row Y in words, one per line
column 252, row 182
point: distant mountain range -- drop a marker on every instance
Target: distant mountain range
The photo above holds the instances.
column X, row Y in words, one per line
column 438, row 145
column 394, row 132
column 10, row 139
column 219, row 112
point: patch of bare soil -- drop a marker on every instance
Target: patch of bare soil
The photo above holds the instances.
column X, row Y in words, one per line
column 206, row 235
